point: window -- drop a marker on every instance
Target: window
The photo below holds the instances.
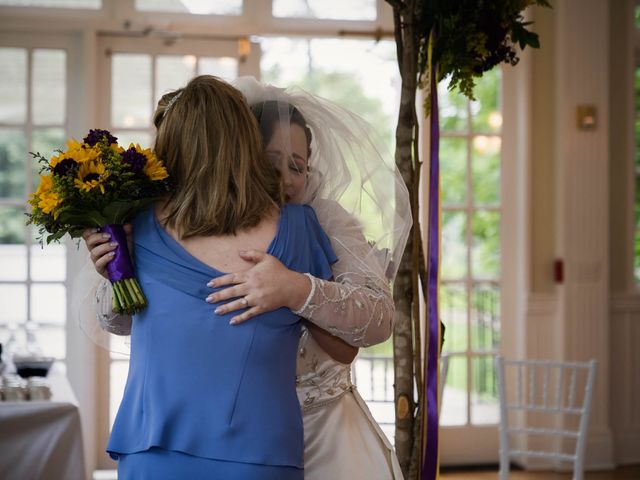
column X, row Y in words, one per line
column 200, row 7
column 32, row 278
column 70, row 4
column 326, row 9
column 470, row 152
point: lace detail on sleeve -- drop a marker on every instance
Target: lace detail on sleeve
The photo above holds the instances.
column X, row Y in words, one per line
column 109, row 321
column 357, row 307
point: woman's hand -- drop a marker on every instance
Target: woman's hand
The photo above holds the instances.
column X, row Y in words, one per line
column 101, row 249
column 266, row 286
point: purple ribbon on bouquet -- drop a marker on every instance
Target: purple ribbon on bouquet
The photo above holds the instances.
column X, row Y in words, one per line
column 120, row 268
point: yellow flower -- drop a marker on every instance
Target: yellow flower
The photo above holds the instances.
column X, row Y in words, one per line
column 153, row 168
column 79, row 152
column 48, row 203
column 91, row 175
column 46, row 184
column 44, row 197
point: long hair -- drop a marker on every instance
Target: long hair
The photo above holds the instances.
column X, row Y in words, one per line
column 211, row 145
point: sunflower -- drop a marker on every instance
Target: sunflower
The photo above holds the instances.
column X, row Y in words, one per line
column 44, row 198
column 78, row 152
column 48, row 203
column 153, row 168
column 91, row 175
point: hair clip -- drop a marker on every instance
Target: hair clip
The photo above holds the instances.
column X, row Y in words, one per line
column 171, row 102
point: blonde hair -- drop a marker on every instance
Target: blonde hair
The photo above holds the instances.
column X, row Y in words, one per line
column 211, row 145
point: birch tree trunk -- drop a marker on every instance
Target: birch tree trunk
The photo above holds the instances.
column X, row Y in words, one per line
column 405, row 291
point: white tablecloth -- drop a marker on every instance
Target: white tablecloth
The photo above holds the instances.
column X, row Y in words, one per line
column 42, row 440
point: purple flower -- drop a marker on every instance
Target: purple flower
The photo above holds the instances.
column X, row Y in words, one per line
column 134, row 159
column 68, row 166
column 97, row 136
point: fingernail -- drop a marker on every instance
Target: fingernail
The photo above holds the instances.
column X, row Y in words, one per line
column 208, row 300
column 106, row 236
column 212, row 283
column 218, row 310
column 111, row 254
column 233, row 321
column 242, row 251
column 113, row 244
column 95, row 230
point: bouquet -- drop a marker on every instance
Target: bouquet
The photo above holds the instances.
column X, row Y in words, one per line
column 99, row 184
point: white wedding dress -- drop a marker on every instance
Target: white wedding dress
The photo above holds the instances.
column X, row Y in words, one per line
column 342, row 440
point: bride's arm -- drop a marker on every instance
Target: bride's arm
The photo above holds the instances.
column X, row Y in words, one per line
column 357, row 306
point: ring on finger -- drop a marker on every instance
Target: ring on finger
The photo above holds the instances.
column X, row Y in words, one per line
column 244, row 302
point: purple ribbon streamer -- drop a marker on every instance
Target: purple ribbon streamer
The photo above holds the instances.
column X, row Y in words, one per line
column 120, row 267
column 430, row 465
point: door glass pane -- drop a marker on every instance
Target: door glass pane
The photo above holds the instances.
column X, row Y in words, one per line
column 486, row 108
column 13, row 298
column 484, row 392
column 454, row 395
column 13, row 78
column 130, row 90
column 48, row 262
column 335, row 9
column 52, row 341
column 86, row 4
column 12, row 225
column 453, row 178
column 453, row 311
column 48, row 303
column 485, row 317
column 13, row 262
column 199, row 7
column 454, row 245
column 360, row 75
column 452, row 109
column 485, row 254
column 127, row 137
column 173, row 72
column 48, row 87
column 13, row 157
column 485, row 166
column 223, row 67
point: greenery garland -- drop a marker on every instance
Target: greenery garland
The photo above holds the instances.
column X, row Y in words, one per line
column 471, row 37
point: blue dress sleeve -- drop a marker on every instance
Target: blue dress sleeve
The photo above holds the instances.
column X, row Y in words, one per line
column 323, row 255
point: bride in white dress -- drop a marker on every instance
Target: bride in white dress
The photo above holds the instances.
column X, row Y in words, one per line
column 328, row 158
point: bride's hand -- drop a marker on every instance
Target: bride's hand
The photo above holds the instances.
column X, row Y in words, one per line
column 101, row 249
column 266, row 286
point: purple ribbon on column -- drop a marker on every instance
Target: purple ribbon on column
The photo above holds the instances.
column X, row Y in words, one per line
column 430, row 465
column 120, row 268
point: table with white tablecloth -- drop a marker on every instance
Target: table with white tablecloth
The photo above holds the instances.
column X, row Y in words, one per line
column 42, row 439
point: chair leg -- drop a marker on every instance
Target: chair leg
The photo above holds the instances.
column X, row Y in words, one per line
column 578, row 470
column 504, row 466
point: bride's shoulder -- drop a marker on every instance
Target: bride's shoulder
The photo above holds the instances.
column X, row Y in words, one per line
column 332, row 215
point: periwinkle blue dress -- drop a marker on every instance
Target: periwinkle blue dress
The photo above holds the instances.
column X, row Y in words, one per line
column 204, row 399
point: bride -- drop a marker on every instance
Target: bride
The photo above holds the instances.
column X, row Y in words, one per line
column 328, row 158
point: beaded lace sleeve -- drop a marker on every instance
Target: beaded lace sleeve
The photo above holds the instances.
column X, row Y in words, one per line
column 357, row 306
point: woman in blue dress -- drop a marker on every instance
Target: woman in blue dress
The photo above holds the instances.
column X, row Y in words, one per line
column 205, row 399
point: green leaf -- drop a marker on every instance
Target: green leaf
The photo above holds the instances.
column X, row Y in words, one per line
column 117, row 212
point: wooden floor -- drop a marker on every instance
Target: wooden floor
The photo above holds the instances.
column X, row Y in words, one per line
column 625, row 473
